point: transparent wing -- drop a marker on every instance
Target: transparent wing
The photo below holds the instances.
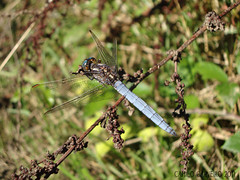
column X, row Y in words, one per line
column 114, row 52
column 63, row 84
column 78, row 84
column 96, row 91
column 72, row 83
column 106, row 57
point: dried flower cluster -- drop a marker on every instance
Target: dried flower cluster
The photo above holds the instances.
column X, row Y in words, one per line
column 180, row 112
column 112, row 128
column 214, row 22
column 47, row 166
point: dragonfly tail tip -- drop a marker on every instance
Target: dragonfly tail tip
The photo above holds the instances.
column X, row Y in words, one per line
column 174, row 133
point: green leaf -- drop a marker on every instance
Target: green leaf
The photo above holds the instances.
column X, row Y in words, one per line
column 229, row 93
column 192, row 101
column 147, row 133
column 198, row 122
column 202, row 141
column 97, row 131
column 103, row 148
column 211, row 71
column 127, row 131
column 232, row 144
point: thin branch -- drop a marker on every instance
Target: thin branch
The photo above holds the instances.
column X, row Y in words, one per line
column 81, row 139
column 17, row 45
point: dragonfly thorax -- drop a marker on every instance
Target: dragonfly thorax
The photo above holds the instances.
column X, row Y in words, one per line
column 103, row 73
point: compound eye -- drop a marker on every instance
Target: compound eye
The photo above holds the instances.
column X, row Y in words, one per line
column 84, row 64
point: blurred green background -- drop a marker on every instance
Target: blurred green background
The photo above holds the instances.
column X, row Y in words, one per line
column 145, row 30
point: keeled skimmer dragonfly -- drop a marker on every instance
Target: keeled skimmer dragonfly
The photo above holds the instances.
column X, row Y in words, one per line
column 105, row 72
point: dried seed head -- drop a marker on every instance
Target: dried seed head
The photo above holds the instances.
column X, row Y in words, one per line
column 214, row 22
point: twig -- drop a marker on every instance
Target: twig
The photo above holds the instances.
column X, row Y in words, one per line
column 70, row 150
column 17, row 45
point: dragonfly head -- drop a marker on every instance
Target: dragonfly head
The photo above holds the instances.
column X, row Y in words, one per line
column 87, row 63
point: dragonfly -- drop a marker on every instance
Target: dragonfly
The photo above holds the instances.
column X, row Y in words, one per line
column 105, row 72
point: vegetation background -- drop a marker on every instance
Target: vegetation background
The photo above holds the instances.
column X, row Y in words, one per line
column 57, row 41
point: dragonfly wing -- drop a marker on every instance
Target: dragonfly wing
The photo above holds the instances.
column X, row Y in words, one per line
column 106, row 57
column 70, row 86
column 75, row 100
column 64, row 84
column 114, row 53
